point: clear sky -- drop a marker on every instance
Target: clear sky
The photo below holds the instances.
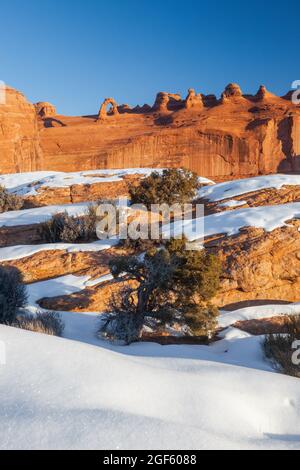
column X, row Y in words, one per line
column 74, row 53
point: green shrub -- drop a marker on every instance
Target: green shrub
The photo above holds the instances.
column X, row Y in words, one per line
column 170, row 187
column 9, row 202
column 48, row 323
column 278, row 348
column 13, row 295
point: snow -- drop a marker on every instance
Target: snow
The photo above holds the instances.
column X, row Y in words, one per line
column 24, row 251
column 80, row 392
column 233, row 203
column 258, row 312
column 20, row 182
column 67, row 394
column 63, row 285
column 27, row 184
column 40, row 214
column 70, row 284
column 230, row 189
column 230, row 222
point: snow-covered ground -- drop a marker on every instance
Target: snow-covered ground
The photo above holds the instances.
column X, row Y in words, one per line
column 227, row 319
column 231, row 189
column 63, row 285
column 67, row 394
column 230, row 223
column 267, row 217
column 27, row 184
column 79, row 392
column 40, row 214
column 22, row 251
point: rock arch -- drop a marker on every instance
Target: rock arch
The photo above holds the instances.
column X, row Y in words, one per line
column 44, row 109
column 103, row 110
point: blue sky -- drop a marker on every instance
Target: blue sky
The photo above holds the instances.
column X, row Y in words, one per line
column 76, row 53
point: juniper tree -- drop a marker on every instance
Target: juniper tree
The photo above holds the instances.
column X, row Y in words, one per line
column 168, row 285
column 169, row 187
column 13, row 294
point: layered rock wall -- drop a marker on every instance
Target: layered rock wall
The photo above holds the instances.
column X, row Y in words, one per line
column 238, row 135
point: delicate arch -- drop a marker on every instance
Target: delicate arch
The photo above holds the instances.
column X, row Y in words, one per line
column 103, row 110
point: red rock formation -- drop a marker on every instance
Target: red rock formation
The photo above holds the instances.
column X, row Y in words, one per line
column 259, row 265
column 237, row 136
column 193, row 100
column 45, row 109
column 103, row 110
column 19, row 138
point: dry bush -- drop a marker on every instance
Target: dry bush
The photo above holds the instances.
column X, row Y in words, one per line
column 278, row 348
column 48, row 323
column 9, row 202
column 70, row 229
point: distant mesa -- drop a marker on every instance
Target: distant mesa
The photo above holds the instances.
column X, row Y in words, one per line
column 45, row 109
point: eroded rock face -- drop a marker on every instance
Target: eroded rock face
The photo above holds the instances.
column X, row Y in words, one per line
column 20, row 235
column 236, row 136
column 81, row 192
column 55, row 263
column 165, row 102
column 19, row 139
column 232, row 91
column 194, row 100
column 263, row 94
column 259, row 265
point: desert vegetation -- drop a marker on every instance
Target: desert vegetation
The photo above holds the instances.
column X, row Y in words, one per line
column 63, row 227
column 48, row 323
column 9, row 202
column 168, row 285
column 13, row 295
column 278, row 348
column 13, row 301
column 172, row 186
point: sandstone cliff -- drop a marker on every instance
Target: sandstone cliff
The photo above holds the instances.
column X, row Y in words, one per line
column 235, row 136
column 19, row 136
